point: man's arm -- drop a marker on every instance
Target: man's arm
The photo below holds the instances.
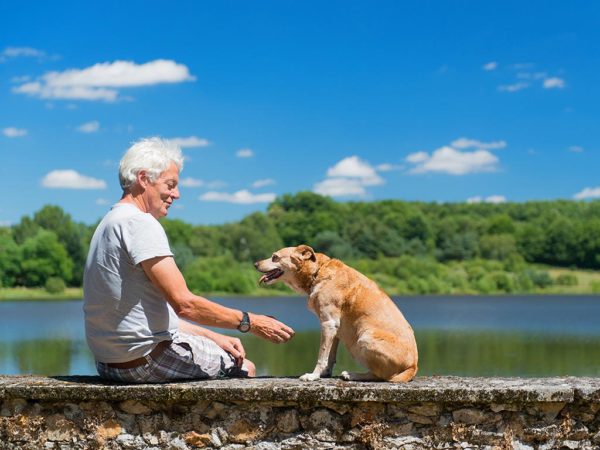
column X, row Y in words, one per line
column 165, row 275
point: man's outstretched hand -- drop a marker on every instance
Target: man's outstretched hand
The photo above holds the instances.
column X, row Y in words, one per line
column 270, row 329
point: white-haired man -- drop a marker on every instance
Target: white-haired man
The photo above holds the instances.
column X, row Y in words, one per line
column 134, row 294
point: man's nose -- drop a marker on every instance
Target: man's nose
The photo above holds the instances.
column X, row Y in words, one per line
column 175, row 193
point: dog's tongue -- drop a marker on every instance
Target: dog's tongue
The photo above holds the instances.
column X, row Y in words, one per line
column 263, row 279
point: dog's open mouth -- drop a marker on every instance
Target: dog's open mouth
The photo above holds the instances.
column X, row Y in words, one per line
column 271, row 275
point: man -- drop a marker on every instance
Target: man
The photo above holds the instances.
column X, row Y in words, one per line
column 134, row 294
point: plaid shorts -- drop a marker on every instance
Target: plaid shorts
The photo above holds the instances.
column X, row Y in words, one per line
column 188, row 357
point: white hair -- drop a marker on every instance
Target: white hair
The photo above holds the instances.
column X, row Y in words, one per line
column 150, row 154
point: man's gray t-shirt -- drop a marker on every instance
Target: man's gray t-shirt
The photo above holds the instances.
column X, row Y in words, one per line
column 125, row 314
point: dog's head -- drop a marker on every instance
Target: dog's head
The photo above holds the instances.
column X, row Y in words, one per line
column 291, row 265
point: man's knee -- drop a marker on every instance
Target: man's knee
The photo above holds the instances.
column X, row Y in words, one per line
column 251, row 367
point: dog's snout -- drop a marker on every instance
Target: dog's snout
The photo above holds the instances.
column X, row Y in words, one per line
column 256, row 264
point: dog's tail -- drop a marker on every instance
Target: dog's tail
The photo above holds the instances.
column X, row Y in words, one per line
column 404, row 377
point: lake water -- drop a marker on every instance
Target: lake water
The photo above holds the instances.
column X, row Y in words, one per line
column 468, row 336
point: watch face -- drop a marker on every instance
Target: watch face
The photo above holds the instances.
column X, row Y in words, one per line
column 244, row 325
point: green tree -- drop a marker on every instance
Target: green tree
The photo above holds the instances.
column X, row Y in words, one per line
column 182, row 254
column 25, row 229
column 458, row 246
column 500, row 224
column 498, row 246
column 10, row 259
column 178, row 231
column 221, row 274
column 69, row 233
column 44, row 257
column 562, row 244
column 254, row 238
column 208, row 241
column 299, row 218
column 330, row 243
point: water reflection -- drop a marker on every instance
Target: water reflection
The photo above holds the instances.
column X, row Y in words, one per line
column 451, row 353
column 441, row 353
column 456, row 336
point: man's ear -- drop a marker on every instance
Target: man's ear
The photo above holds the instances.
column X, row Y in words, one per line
column 142, row 179
column 307, row 252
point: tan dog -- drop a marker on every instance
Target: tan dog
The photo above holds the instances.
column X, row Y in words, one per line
column 351, row 308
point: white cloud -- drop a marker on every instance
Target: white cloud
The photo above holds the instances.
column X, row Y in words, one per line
column 239, row 197
column 102, row 201
column 492, row 65
column 576, row 149
column 21, row 79
column 417, row 157
column 244, row 153
column 491, row 199
column 191, row 182
column 263, row 183
column 532, row 75
column 340, row 187
column 13, row 132
column 554, row 83
column 513, row 87
column 89, row 127
column 100, row 81
column 349, row 177
column 189, row 142
column 386, row 167
column 216, row 184
column 71, row 179
column 37, row 89
column 454, row 162
column 16, row 52
column 588, row 192
column 495, row 199
column 472, row 143
column 354, row 167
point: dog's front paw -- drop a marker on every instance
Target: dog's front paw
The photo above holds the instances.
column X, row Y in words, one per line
column 345, row 375
column 309, row 377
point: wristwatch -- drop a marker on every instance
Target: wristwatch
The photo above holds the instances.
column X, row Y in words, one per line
column 244, row 325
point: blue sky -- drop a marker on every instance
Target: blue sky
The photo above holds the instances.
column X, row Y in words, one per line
column 429, row 101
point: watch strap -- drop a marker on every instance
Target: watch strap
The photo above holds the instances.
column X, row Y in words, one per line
column 244, row 325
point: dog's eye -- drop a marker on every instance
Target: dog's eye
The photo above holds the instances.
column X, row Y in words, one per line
column 274, row 258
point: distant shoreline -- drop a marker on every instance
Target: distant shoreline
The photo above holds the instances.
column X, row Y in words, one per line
column 22, row 294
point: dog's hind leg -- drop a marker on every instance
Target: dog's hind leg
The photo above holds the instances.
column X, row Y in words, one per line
column 332, row 358
column 353, row 376
column 404, row 377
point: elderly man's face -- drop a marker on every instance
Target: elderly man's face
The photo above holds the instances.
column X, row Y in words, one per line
column 161, row 195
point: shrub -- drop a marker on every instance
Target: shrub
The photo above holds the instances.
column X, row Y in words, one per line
column 524, row 283
column 595, row 287
column 567, row 279
column 55, row 285
column 540, row 278
column 221, row 274
column 504, row 281
column 485, row 284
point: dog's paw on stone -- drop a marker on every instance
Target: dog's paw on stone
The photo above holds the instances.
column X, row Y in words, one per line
column 345, row 375
column 309, row 377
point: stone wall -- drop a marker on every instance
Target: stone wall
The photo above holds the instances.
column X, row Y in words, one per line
column 284, row 413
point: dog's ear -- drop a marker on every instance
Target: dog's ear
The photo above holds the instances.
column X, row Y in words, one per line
column 307, row 252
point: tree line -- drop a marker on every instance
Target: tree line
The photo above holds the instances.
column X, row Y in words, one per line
column 409, row 247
